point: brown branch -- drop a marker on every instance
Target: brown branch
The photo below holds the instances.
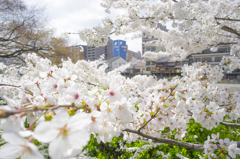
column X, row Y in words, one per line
column 14, row 29
column 230, row 124
column 6, row 113
column 154, row 115
column 229, row 19
column 9, row 85
column 227, row 43
column 146, row 18
column 197, row 147
column 92, row 84
column 230, row 30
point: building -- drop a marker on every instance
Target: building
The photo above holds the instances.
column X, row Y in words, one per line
column 115, row 62
column 93, row 53
column 168, row 68
column 147, row 39
column 132, row 54
column 137, row 67
column 150, row 65
column 119, row 49
column 212, row 58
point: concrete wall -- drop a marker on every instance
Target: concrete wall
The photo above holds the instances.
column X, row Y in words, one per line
column 117, row 63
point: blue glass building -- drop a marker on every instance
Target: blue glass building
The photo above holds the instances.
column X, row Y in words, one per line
column 119, row 49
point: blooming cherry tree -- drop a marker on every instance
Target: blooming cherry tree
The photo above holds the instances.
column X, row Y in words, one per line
column 141, row 107
column 64, row 105
column 196, row 24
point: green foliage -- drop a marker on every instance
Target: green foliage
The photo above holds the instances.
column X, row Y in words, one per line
column 112, row 149
column 109, row 150
column 2, row 102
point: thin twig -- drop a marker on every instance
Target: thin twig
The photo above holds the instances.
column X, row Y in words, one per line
column 156, row 111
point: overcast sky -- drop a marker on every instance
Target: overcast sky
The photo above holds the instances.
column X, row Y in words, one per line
column 74, row 15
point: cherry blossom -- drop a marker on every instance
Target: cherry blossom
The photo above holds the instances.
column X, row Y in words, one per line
column 63, row 132
column 65, row 105
column 18, row 147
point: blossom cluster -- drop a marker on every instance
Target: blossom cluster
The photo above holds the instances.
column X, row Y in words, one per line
column 223, row 146
column 64, row 105
column 230, row 62
column 197, row 24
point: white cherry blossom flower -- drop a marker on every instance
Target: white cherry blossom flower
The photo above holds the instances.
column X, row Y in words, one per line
column 63, row 132
column 233, row 150
column 18, row 147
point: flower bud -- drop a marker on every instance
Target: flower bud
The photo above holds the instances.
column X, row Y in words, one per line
column 71, row 111
column 49, row 116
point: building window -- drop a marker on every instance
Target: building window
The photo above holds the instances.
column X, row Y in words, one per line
column 148, row 49
column 172, row 64
column 148, row 69
column 197, row 59
column 147, row 63
column 206, row 51
column 178, row 63
column 208, row 59
column 153, row 49
column 222, row 50
column 160, row 65
column 153, row 62
column 218, row 59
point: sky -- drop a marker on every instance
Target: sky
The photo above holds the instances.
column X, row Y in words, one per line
column 75, row 15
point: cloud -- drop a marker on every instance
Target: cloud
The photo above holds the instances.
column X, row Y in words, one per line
column 75, row 15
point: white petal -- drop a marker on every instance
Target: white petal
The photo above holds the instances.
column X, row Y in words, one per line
column 58, row 148
column 72, row 152
column 30, row 155
column 25, row 133
column 79, row 138
column 44, row 132
column 60, row 119
column 10, row 151
column 79, row 120
column 12, row 123
column 33, row 153
column 13, row 138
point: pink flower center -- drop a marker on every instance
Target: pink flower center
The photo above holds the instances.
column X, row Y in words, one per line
column 27, row 100
column 63, row 131
column 93, row 118
column 76, row 96
column 112, row 93
column 55, row 86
